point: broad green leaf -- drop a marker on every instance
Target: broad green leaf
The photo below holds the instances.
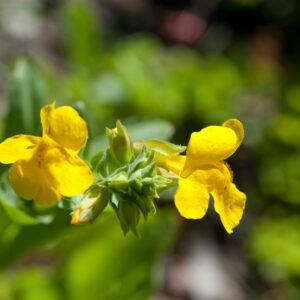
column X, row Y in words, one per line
column 27, row 95
column 129, row 263
column 35, row 283
column 17, row 215
column 30, row 237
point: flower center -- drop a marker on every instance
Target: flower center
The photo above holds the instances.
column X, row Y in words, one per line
column 41, row 152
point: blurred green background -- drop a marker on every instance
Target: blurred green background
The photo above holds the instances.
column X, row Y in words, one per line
column 165, row 68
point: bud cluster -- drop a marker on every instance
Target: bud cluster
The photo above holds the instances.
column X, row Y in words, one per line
column 127, row 179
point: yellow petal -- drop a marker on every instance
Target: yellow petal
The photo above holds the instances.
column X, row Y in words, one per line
column 230, row 205
column 71, row 175
column 47, row 193
column 213, row 143
column 50, row 173
column 65, row 126
column 17, row 147
column 46, row 111
column 237, row 127
column 22, row 178
column 31, row 183
column 192, row 198
column 218, row 176
column 229, row 202
column 176, row 163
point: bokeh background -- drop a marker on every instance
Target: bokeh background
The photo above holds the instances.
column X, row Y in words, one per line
column 166, row 68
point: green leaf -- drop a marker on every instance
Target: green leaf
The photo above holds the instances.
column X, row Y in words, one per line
column 32, row 236
column 129, row 263
column 27, row 95
column 17, row 215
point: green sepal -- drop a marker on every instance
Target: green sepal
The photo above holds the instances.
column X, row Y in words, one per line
column 141, row 203
column 143, row 158
column 106, row 164
column 129, row 216
column 136, row 183
column 149, row 170
column 150, row 204
column 96, row 160
column 150, row 190
column 119, row 182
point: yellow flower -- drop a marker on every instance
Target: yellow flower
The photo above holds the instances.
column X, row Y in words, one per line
column 45, row 168
column 203, row 172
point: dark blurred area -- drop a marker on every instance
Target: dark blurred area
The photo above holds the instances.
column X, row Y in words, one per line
column 165, row 68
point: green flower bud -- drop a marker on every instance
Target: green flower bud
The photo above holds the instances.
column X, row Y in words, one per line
column 131, row 176
column 91, row 205
column 120, row 143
